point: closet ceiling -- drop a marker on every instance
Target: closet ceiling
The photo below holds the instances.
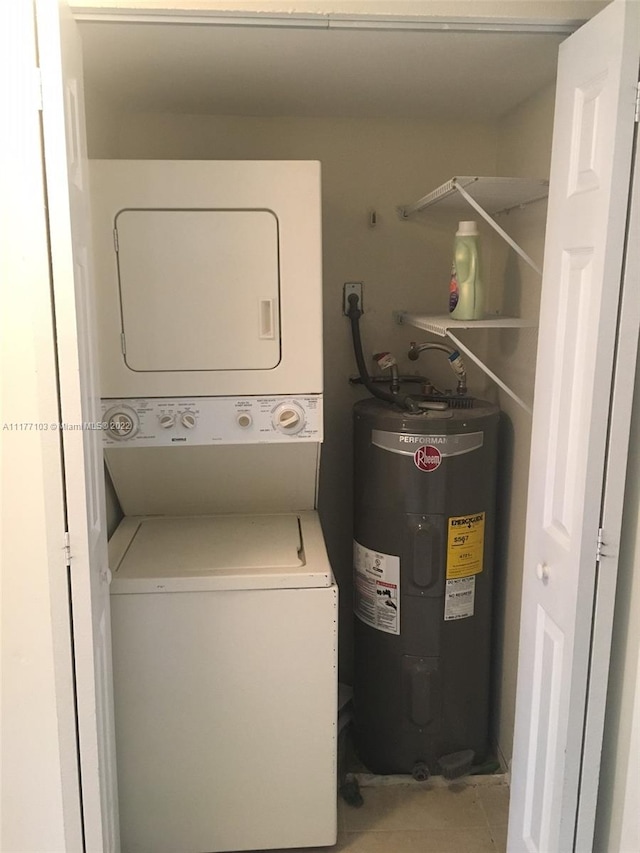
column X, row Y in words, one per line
column 273, row 71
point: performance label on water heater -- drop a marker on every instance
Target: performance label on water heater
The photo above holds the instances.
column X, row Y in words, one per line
column 465, row 545
column 377, row 588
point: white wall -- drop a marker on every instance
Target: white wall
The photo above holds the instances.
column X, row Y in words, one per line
column 102, row 125
column 524, row 150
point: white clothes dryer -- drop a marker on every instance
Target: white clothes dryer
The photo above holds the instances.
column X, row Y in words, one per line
column 209, row 277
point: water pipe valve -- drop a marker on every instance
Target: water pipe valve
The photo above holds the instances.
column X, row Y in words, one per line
column 387, row 361
column 384, row 360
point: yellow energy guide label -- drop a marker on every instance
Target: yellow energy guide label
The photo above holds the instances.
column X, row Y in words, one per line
column 465, row 545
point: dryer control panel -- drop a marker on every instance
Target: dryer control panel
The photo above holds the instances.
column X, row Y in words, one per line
column 169, row 422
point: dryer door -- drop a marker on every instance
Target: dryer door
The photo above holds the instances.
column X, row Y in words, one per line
column 208, row 277
column 199, row 289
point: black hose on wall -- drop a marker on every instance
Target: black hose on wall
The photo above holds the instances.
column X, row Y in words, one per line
column 401, row 400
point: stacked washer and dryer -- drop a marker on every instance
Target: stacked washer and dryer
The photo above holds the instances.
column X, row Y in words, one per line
column 224, row 606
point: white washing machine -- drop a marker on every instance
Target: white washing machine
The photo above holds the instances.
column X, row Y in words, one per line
column 224, row 606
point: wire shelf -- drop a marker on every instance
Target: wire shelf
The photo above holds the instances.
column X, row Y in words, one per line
column 494, row 195
column 442, row 324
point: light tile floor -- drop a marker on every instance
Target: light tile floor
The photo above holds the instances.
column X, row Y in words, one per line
column 415, row 819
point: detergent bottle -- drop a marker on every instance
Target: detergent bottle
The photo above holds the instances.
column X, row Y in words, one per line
column 466, row 292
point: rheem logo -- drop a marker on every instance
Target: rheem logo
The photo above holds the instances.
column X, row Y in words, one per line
column 427, row 458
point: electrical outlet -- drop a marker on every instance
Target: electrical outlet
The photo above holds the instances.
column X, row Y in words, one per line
column 349, row 288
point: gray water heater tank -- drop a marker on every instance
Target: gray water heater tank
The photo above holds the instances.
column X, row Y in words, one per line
column 423, row 567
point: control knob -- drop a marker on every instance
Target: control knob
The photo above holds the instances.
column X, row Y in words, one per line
column 289, row 418
column 188, row 420
column 122, row 423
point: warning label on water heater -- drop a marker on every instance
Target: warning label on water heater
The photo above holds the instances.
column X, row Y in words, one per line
column 459, row 598
column 376, row 580
column 465, row 545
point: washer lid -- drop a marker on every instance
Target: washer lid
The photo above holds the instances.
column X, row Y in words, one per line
column 212, row 552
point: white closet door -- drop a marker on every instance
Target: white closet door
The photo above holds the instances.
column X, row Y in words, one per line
column 40, row 788
column 590, row 176
column 66, row 182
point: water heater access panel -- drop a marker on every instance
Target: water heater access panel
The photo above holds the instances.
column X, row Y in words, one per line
column 208, row 277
